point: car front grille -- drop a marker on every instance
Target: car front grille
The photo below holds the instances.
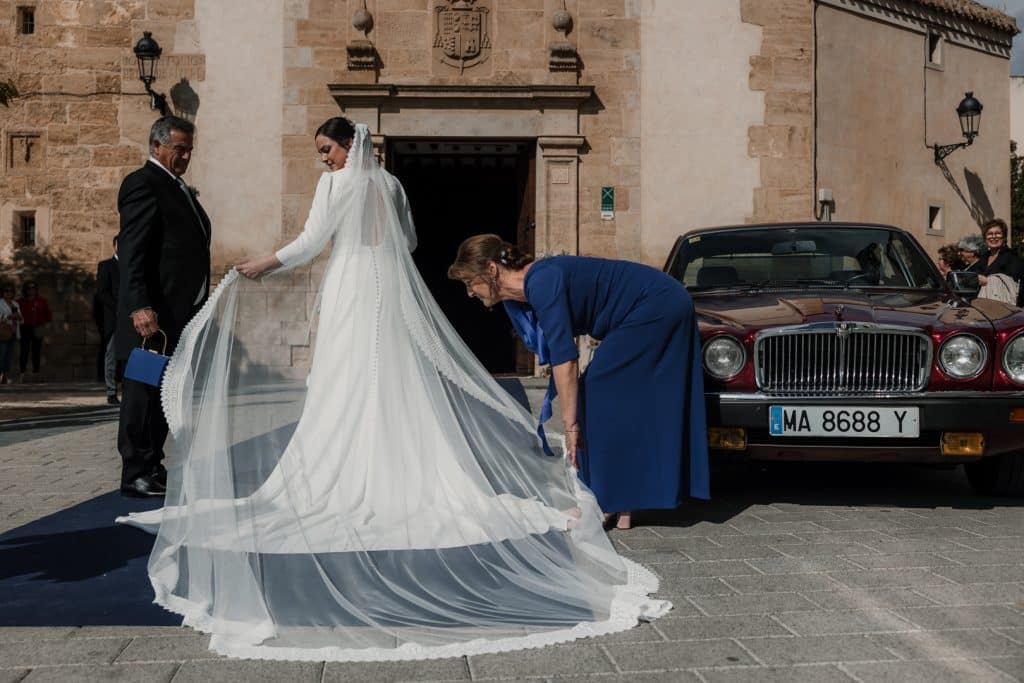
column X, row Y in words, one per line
column 842, row 358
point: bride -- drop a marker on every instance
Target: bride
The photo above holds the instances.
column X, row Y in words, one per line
column 390, row 502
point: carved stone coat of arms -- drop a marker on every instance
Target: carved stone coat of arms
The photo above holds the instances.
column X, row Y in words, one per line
column 462, row 33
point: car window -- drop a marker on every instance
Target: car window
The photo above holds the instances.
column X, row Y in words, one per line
column 826, row 256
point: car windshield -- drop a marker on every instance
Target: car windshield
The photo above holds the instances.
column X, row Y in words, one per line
column 834, row 257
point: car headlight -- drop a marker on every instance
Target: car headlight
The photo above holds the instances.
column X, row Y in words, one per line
column 962, row 356
column 724, row 357
column 1013, row 359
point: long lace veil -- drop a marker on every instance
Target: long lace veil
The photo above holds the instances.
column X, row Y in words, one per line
column 374, row 494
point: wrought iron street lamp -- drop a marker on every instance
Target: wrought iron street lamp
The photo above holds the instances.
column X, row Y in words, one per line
column 147, row 53
column 969, row 112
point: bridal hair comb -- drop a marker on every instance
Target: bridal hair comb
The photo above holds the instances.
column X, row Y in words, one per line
column 503, row 256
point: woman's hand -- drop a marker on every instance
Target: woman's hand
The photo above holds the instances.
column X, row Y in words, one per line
column 573, row 442
column 982, row 280
column 258, row 266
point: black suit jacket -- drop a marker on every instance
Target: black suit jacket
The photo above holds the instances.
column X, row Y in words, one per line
column 108, row 280
column 164, row 253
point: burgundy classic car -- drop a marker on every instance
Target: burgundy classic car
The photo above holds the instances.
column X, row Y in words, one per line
column 838, row 341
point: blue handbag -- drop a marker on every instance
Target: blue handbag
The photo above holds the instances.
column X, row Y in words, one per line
column 146, row 365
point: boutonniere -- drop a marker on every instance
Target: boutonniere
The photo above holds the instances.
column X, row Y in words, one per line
column 192, row 190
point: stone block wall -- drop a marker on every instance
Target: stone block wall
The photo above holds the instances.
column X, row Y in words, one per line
column 83, row 108
column 784, row 70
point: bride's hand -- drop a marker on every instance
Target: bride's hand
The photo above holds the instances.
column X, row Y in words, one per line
column 256, row 267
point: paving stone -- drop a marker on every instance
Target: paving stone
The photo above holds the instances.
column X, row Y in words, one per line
column 980, row 557
column 698, row 528
column 945, row 671
column 994, row 543
column 869, row 598
column 902, row 560
column 753, row 526
column 968, row 616
column 770, row 603
column 1014, row 634
column 564, row 659
column 802, row 565
column 642, row 633
column 251, row 671
column 857, row 536
column 678, row 655
column 652, row 558
column 816, row 649
column 756, row 539
column 708, row 628
column 130, row 631
column 168, row 648
column 1001, row 573
column 1011, row 666
column 974, row 594
column 834, row 622
column 649, row 677
column 733, row 552
column 666, row 544
column 454, row 669
column 966, row 643
column 119, row 673
column 698, row 586
column 68, row 651
column 874, row 578
column 19, row 633
column 691, row 570
column 813, row 673
column 781, row 583
column 13, row 675
column 825, row 549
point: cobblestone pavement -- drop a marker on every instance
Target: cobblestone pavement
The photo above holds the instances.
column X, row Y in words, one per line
column 792, row 573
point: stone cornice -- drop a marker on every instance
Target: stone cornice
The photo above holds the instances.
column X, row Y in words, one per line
column 915, row 17
column 512, row 96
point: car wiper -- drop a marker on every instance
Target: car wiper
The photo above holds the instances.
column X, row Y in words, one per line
column 804, row 283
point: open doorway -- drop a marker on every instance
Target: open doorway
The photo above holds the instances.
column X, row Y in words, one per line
column 459, row 188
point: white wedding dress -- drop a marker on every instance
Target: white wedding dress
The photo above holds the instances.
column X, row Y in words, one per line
column 393, row 502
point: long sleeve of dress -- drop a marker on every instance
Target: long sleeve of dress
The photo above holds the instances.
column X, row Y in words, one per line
column 316, row 232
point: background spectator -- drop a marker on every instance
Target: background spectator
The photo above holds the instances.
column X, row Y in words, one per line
column 949, row 259
column 10, row 323
column 35, row 313
column 108, row 280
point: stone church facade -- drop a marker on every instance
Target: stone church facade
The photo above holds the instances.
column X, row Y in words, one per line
column 597, row 127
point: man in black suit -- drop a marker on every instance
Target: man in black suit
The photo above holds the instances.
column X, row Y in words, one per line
column 164, row 258
column 108, row 279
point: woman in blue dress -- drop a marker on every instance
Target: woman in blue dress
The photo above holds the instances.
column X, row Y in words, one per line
column 634, row 421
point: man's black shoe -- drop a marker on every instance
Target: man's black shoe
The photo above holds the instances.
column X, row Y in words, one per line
column 143, row 487
column 112, row 400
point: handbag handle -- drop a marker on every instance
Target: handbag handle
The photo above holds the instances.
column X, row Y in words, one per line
column 163, row 352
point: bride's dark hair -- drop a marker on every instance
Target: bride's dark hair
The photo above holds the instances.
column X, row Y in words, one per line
column 338, row 129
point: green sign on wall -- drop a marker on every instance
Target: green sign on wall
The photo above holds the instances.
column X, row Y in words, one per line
column 607, row 203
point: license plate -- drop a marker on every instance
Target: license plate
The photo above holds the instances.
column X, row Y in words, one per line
column 856, row 421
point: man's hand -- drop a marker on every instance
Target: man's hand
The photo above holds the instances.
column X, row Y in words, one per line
column 144, row 322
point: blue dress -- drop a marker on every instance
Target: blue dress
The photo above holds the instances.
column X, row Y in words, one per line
column 641, row 398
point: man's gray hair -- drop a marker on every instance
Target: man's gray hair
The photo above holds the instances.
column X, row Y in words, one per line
column 974, row 244
column 161, row 130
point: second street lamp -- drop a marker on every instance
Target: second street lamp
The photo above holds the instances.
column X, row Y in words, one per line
column 969, row 112
column 147, row 53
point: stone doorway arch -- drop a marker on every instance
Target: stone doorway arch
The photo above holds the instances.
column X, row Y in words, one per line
column 547, row 114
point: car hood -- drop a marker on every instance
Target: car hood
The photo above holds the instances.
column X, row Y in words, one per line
column 932, row 311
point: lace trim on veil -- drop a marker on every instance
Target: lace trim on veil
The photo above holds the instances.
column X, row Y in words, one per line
column 179, row 367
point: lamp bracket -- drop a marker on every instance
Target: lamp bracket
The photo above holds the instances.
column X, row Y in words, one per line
column 943, row 151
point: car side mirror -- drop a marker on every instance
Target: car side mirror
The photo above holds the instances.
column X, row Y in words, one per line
column 963, row 282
